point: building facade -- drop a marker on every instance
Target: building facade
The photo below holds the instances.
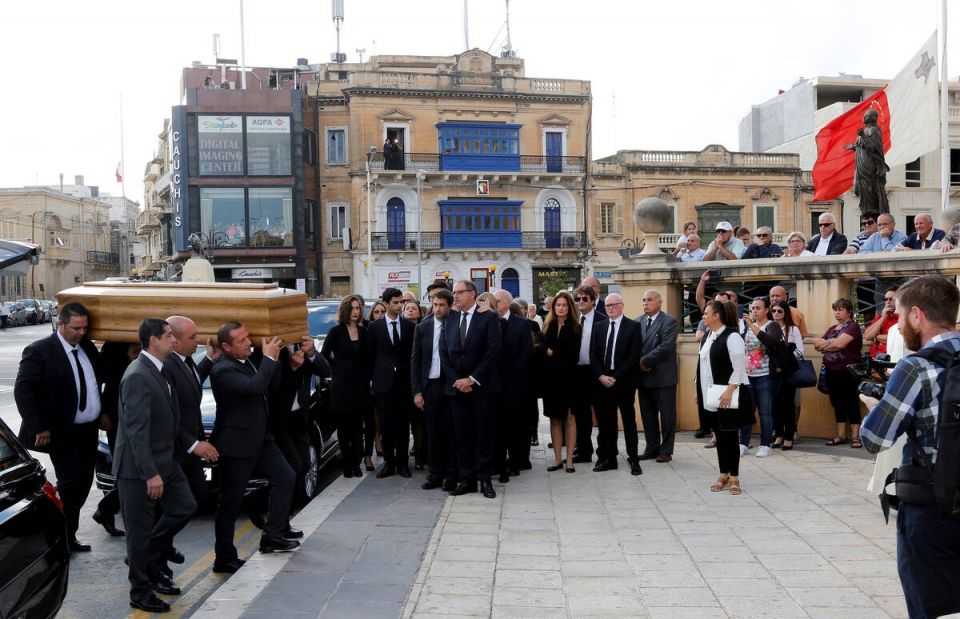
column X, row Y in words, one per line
column 449, row 167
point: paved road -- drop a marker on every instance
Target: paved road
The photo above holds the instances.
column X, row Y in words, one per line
column 98, row 579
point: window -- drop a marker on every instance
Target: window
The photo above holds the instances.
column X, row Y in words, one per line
column 815, row 222
column 336, row 219
column 310, row 224
column 955, row 167
column 671, row 227
column 220, row 150
column 223, row 217
column 480, row 223
column 309, row 147
column 336, row 146
column 913, row 173
column 608, row 218
column 268, row 145
column 271, row 217
column 765, row 215
column 479, row 146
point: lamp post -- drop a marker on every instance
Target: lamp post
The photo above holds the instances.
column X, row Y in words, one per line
column 420, row 176
column 493, row 275
column 369, row 266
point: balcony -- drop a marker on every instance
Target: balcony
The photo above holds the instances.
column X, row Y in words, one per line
column 103, row 257
column 409, row 163
column 407, row 241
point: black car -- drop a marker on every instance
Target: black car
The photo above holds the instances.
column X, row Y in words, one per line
column 34, row 556
column 324, row 446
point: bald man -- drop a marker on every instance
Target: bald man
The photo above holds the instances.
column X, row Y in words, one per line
column 594, row 283
column 779, row 293
column 658, row 378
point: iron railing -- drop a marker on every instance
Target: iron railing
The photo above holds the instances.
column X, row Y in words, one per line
column 103, row 257
column 407, row 241
column 435, row 162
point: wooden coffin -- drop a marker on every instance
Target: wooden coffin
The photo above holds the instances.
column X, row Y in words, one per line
column 117, row 308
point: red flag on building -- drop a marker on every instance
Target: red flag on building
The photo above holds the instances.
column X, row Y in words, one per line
column 119, row 173
column 907, row 115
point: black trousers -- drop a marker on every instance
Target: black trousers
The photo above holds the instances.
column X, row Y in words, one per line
column 784, row 418
column 74, row 458
column 728, row 446
column 584, row 393
column 658, row 410
column 350, row 435
column 394, row 410
column 473, row 426
column 608, row 401
column 441, row 452
column 843, row 396
column 511, row 434
column 149, row 536
column 234, row 475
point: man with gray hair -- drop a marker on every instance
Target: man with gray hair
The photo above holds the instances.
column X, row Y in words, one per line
column 516, row 352
column 764, row 247
column 925, row 236
column 829, row 242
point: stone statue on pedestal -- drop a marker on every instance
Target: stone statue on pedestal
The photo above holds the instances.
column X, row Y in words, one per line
column 870, row 179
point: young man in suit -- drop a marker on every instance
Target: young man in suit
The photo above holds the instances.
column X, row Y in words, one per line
column 58, row 395
column 245, row 446
column 615, row 359
column 147, row 473
column 516, row 354
column 469, row 350
column 658, row 378
column 585, row 393
column 426, row 383
column 391, row 348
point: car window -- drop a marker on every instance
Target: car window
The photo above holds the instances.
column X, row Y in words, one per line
column 321, row 319
column 7, row 452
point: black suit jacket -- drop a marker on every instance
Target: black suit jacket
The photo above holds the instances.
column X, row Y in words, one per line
column 422, row 355
column 516, row 352
column 44, row 391
column 838, row 244
column 626, row 352
column 658, row 351
column 241, row 393
column 294, row 383
column 149, row 423
column 390, row 365
column 478, row 356
column 189, row 395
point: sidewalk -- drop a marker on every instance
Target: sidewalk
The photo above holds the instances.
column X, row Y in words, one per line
column 804, row 540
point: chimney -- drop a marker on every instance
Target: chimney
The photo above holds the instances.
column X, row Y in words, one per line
column 78, row 180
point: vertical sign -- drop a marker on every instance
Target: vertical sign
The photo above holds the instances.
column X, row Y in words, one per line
column 179, row 171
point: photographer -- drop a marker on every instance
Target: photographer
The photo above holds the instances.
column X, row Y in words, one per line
column 928, row 542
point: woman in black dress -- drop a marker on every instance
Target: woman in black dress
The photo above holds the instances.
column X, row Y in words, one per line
column 346, row 349
column 561, row 339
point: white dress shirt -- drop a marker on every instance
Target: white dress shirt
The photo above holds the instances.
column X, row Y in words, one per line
column 823, row 245
column 585, row 338
column 616, row 336
column 92, row 411
column 738, row 359
column 435, row 356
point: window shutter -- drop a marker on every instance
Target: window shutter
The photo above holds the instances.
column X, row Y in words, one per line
column 598, row 219
column 619, row 218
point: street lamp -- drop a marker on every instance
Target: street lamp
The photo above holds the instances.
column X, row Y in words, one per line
column 420, row 176
column 369, row 269
column 493, row 275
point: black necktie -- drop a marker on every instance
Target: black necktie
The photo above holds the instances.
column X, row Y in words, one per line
column 193, row 369
column 83, row 381
column 168, row 376
column 608, row 356
column 649, row 322
column 396, row 334
column 583, row 321
column 463, row 329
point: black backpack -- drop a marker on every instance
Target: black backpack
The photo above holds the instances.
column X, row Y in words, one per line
column 921, row 482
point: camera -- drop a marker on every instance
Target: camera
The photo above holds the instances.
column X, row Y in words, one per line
column 873, row 374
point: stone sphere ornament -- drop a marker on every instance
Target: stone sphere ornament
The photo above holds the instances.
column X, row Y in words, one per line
column 651, row 216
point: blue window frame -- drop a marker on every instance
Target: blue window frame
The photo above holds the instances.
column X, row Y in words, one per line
column 396, row 223
column 551, row 222
column 480, row 223
column 479, row 146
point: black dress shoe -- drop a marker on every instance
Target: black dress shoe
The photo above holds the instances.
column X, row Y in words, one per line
column 357, row 472
column 227, row 567
column 635, row 468
column 487, row 488
column 348, row 473
column 647, row 456
column 165, row 586
column 514, row 471
column 464, row 487
column 418, row 467
column 701, row 433
column 386, row 471
column 534, row 441
column 77, row 546
column 150, row 604
column 404, row 471
column 272, row 544
column 292, row 533
column 504, row 478
column 601, row 466
column 175, row 556
column 431, row 483
column 108, row 524
column 449, row 485
column 164, row 570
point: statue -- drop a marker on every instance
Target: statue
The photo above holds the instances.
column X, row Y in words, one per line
column 196, row 244
column 870, row 179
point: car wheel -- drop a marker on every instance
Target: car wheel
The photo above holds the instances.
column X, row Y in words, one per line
column 310, row 485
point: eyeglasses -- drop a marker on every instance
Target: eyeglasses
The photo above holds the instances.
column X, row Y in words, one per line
column 584, row 299
column 776, row 311
column 763, row 236
column 613, row 304
column 868, row 222
column 379, row 311
column 719, row 231
column 459, row 291
column 825, row 225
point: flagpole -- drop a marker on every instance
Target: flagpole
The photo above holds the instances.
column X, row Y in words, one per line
column 123, row 167
column 944, row 114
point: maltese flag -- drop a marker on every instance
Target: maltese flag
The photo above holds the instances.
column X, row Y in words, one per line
column 119, row 173
column 908, row 116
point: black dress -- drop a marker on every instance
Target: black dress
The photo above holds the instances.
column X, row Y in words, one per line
column 349, row 388
column 559, row 369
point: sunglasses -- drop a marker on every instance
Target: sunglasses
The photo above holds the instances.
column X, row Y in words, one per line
column 776, row 311
column 584, row 299
column 763, row 236
column 824, row 225
column 868, row 222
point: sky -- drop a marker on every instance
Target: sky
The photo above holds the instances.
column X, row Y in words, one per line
column 674, row 75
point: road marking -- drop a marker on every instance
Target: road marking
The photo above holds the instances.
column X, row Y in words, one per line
column 183, row 604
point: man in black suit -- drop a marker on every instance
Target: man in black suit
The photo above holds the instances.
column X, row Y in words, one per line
column 58, row 395
column 829, row 242
column 658, row 378
column 599, row 306
column 427, row 385
column 245, row 446
column 289, row 421
column 391, row 348
column 615, row 358
column 587, row 385
column 147, row 473
column 469, row 350
column 516, row 354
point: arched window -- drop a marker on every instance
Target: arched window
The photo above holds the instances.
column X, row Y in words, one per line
column 551, row 222
column 510, row 281
column 396, row 223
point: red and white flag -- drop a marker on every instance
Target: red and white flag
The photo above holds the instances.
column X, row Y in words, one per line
column 119, row 173
column 907, row 109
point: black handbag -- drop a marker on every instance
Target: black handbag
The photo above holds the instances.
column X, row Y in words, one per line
column 743, row 415
column 805, row 376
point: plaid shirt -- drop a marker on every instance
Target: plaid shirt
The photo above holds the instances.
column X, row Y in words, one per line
column 912, row 399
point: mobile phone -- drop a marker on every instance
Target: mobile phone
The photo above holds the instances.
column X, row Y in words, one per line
column 715, row 275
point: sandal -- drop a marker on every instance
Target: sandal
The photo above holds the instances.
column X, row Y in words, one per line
column 735, row 487
column 777, row 444
column 856, row 443
column 710, row 444
column 836, row 441
column 722, row 483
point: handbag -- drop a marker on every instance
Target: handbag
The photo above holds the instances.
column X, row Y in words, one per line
column 712, row 401
column 822, row 380
column 739, row 417
column 804, row 377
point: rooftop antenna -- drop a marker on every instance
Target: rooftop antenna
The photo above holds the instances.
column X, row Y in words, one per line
column 243, row 54
column 466, row 26
column 360, row 51
column 337, row 21
column 216, row 46
column 508, row 48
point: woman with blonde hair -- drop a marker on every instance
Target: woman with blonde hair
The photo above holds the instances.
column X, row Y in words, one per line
column 561, row 340
column 796, row 246
column 486, row 302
